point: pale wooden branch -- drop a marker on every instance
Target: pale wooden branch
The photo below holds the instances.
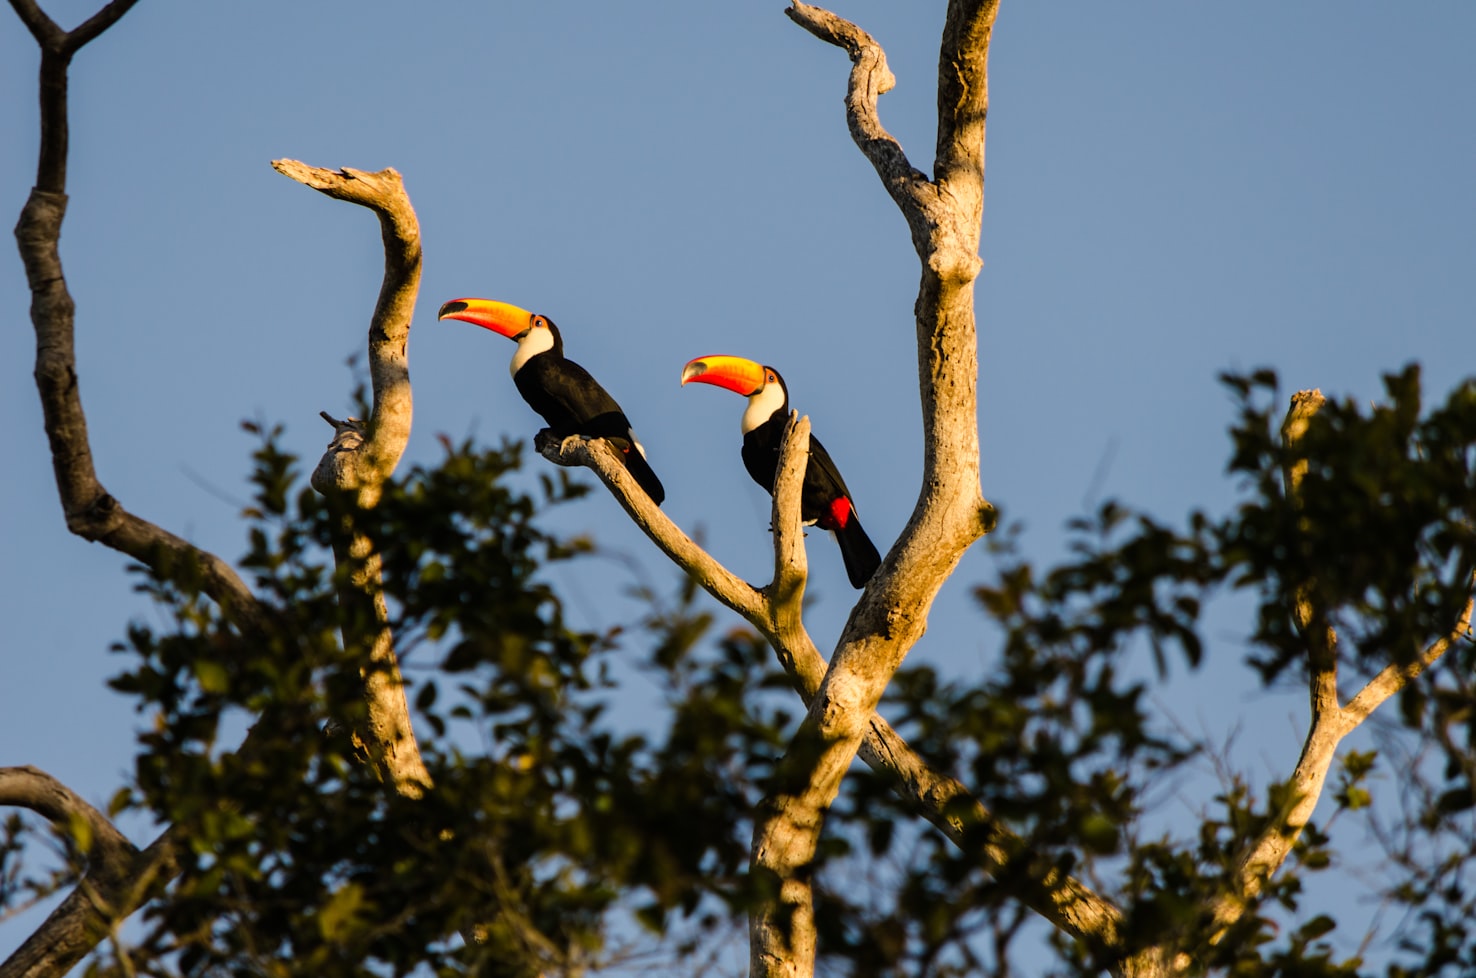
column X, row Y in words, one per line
column 371, row 460
column 388, row 738
column 362, row 456
column 950, row 513
column 870, row 79
column 793, row 902
column 598, row 456
column 784, row 597
column 787, row 591
column 943, row 214
column 943, row 801
column 1329, row 722
column 1395, row 676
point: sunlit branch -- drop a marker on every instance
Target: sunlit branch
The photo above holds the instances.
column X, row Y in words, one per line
column 950, row 513
column 361, row 458
column 1329, row 723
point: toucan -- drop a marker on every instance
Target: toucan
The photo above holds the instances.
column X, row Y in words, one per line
column 824, row 499
column 563, row 392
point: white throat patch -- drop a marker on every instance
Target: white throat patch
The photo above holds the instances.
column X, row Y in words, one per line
column 534, row 342
column 762, row 405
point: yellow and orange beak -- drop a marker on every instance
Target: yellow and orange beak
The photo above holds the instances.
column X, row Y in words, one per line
column 735, row 373
column 500, row 317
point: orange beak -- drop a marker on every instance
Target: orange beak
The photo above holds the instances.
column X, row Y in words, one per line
column 500, row 317
column 735, row 373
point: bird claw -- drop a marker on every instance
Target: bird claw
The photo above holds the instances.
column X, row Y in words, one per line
column 547, row 438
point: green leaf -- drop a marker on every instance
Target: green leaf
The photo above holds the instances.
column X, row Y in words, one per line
column 336, row 921
column 1317, row 926
column 212, row 677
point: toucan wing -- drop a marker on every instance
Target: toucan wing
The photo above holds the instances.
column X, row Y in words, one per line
column 573, row 403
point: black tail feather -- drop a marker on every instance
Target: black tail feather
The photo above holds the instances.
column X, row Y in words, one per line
column 636, row 463
column 857, row 551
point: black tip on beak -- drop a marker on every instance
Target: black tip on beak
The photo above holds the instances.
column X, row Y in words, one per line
column 455, row 305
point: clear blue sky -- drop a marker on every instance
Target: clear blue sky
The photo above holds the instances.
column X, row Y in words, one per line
column 1173, row 189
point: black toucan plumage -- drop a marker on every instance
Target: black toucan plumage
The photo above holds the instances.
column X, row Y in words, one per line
column 563, row 392
column 824, row 499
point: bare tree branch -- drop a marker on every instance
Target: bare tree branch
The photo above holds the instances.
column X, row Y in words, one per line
column 362, row 456
column 91, row 512
column 786, row 593
column 116, row 880
column 57, row 47
column 362, row 466
column 119, row 887
column 938, row 211
column 98, row 22
column 70, row 814
column 1395, row 676
column 116, row 886
column 45, row 30
column 599, row 457
column 942, row 800
column 950, row 513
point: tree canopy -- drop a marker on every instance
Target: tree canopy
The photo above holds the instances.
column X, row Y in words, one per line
column 378, row 741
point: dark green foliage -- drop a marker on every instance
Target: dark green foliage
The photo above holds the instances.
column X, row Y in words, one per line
column 558, row 819
column 1382, row 533
column 545, row 816
column 1059, row 739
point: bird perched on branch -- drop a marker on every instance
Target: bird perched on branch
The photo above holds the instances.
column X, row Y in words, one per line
column 563, row 392
column 824, row 499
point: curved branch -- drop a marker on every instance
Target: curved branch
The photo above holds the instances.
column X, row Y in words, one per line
column 870, row 79
column 70, row 814
column 1395, row 676
column 117, row 879
column 946, row 210
column 365, row 463
column 943, row 801
column 950, row 514
column 90, row 511
column 363, row 455
column 1329, row 723
column 57, row 47
column 597, row 456
column 93, row 909
column 121, row 878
